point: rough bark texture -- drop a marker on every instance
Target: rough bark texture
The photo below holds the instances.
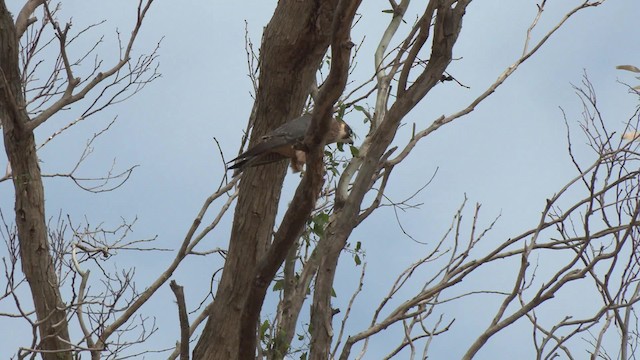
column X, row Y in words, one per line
column 309, row 188
column 293, row 45
column 37, row 263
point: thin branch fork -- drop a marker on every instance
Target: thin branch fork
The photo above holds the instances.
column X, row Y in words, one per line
column 24, row 18
column 443, row 120
column 69, row 97
column 187, row 245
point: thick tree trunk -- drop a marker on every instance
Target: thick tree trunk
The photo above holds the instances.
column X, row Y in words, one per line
column 37, row 263
column 293, row 46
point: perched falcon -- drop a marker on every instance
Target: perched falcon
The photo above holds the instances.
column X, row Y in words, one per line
column 282, row 143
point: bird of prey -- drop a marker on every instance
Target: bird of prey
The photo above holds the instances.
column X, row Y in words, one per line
column 284, row 142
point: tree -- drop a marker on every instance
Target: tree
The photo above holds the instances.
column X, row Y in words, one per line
column 21, row 116
column 299, row 256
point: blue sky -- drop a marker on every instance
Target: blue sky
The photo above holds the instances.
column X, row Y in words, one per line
column 509, row 154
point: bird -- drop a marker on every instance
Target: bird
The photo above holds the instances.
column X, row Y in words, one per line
column 284, row 142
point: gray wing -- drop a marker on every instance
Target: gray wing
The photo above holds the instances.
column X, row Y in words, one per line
column 262, row 159
column 287, row 134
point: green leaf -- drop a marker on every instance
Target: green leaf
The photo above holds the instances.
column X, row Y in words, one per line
column 322, row 218
column 318, row 229
column 263, row 328
column 333, row 292
column 358, row 108
column 319, row 222
column 279, row 285
column 390, row 11
column 358, row 246
column 355, row 152
column 356, row 258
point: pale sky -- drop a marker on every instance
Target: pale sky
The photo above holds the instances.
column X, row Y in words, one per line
column 509, row 154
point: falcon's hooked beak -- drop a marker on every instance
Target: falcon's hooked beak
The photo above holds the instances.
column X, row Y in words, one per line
column 345, row 134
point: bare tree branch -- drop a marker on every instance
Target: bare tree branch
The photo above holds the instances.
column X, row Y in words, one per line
column 71, row 94
column 184, row 320
column 24, row 18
